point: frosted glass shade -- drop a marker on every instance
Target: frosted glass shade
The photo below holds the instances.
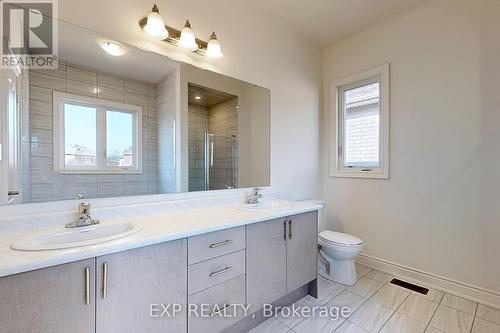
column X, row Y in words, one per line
column 155, row 26
column 187, row 40
column 213, row 48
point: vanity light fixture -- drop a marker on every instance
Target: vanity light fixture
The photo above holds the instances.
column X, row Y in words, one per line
column 213, row 47
column 187, row 40
column 113, row 48
column 153, row 25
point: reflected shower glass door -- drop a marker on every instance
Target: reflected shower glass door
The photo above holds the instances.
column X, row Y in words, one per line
column 221, row 161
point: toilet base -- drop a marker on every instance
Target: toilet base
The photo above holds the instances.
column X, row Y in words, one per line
column 341, row 271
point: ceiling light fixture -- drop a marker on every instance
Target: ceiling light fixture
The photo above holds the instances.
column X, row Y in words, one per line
column 153, row 25
column 113, row 48
column 187, row 40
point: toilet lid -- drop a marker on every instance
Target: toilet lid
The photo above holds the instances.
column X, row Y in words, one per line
column 339, row 238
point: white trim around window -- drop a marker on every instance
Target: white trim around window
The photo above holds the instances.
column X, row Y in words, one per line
column 101, row 106
column 337, row 139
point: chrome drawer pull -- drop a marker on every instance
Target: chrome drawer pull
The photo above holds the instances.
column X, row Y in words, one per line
column 214, row 245
column 222, row 271
column 216, row 312
column 105, row 280
column 87, row 285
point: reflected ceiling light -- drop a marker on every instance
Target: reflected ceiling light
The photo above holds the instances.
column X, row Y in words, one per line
column 187, row 40
column 197, row 97
column 154, row 24
column 213, row 47
column 114, row 48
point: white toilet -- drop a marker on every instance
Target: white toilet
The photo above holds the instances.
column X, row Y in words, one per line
column 336, row 256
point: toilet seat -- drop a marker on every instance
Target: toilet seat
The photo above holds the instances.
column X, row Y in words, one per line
column 339, row 238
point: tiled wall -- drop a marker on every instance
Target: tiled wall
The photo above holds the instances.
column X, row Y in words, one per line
column 198, row 126
column 223, row 123
column 48, row 185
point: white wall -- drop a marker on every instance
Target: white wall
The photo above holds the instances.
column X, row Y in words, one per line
column 167, row 96
column 258, row 50
column 440, row 210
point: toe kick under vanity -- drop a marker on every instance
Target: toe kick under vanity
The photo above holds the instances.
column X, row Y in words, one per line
column 255, row 259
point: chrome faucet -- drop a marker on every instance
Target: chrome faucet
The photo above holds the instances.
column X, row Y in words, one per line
column 254, row 196
column 83, row 219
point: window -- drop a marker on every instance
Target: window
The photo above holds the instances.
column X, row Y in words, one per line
column 359, row 146
column 96, row 136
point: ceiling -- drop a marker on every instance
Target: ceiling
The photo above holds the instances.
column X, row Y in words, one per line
column 82, row 47
column 327, row 21
column 206, row 97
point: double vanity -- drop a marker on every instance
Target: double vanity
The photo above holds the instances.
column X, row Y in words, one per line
column 180, row 270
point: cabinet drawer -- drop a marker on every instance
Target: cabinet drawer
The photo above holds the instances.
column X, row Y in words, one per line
column 215, row 244
column 211, row 272
column 229, row 295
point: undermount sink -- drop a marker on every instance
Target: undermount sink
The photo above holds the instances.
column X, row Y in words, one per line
column 75, row 237
column 263, row 206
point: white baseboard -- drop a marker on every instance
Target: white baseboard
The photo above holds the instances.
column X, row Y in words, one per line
column 474, row 293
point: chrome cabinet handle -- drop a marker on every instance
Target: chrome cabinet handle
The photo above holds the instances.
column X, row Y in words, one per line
column 222, row 271
column 87, row 285
column 226, row 306
column 104, row 280
column 284, row 229
column 214, row 245
column 290, row 229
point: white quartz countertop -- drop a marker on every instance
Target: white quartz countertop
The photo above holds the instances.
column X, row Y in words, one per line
column 156, row 228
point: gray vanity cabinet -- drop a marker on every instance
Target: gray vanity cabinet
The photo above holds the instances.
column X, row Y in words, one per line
column 302, row 250
column 129, row 282
column 57, row 299
column 281, row 257
column 266, row 262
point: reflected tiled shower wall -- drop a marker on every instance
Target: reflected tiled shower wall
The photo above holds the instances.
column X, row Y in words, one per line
column 48, row 185
column 198, row 126
column 223, row 124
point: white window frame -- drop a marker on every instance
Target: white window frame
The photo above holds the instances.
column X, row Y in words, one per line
column 60, row 98
column 336, row 143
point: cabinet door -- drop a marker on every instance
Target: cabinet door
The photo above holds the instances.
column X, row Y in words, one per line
column 130, row 282
column 266, row 262
column 302, row 248
column 57, row 299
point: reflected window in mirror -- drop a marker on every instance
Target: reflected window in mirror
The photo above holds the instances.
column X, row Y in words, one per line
column 96, row 135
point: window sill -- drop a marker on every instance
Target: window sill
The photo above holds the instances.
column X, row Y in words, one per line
column 98, row 172
column 357, row 173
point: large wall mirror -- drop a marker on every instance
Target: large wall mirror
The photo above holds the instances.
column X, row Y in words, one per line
column 134, row 124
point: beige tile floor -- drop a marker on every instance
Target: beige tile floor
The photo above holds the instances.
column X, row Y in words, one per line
column 378, row 306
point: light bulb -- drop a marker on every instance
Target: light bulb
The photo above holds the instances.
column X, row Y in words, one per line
column 213, row 47
column 187, row 40
column 113, row 48
column 155, row 26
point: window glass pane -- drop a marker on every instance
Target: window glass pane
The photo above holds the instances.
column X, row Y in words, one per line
column 119, row 139
column 362, row 126
column 79, row 136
